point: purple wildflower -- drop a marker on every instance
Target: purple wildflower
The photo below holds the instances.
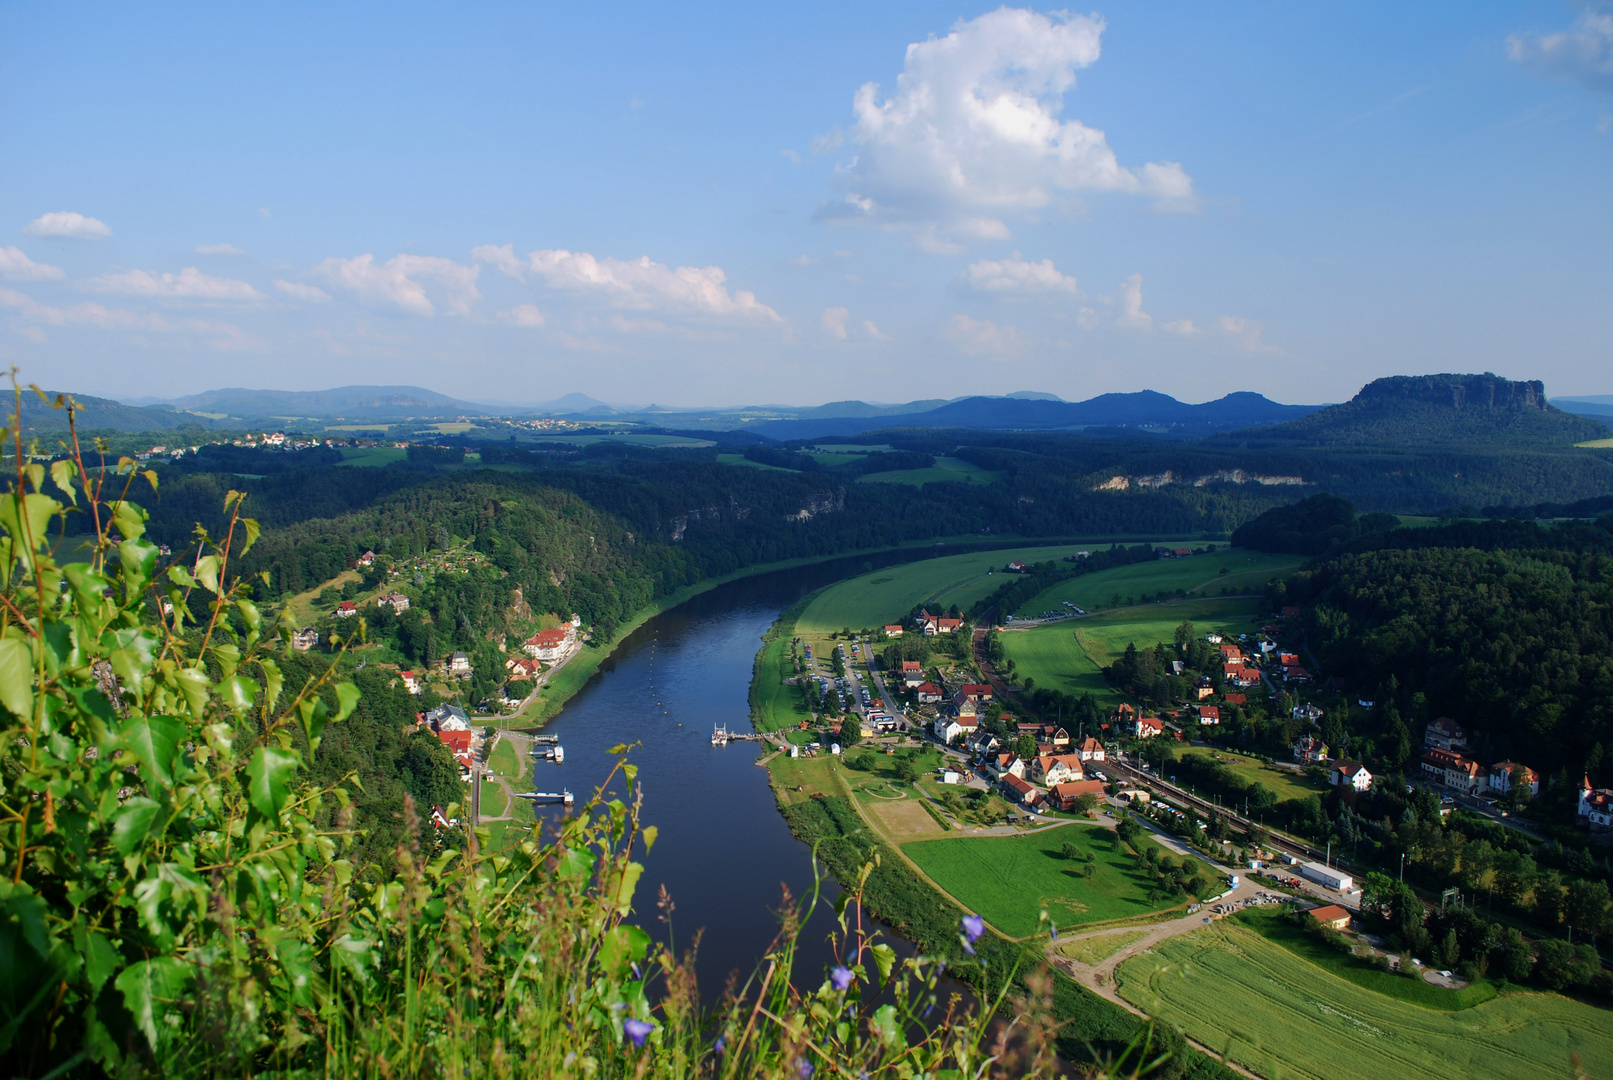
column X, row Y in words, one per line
column 637, row 1030
column 973, row 927
column 1053, row 932
column 842, row 978
column 721, row 1044
column 803, row 1069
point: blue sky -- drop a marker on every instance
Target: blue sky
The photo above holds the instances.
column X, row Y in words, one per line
column 724, row 204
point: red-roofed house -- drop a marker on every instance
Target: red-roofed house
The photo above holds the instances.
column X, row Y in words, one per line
column 1146, row 727
column 411, row 681
column 928, row 693
column 1008, row 765
column 976, row 692
column 346, row 609
column 1090, row 749
column 1064, row 795
column 1501, row 774
column 1595, row 805
column 893, row 629
column 523, row 667
column 1209, row 714
column 951, row 728
column 1331, row 916
column 1058, row 769
column 1235, row 699
column 1231, row 654
column 550, row 645
column 1020, row 790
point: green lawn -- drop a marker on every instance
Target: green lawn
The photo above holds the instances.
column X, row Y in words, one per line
column 774, row 704
column 885, row 595
column 361, row 456
column 1247, row 571
column 494, row 801
column 506, row 762
column 1283, row 783
column 1010, row 879
column 1279, row 1015
column 945, row 470
column 1070, row 656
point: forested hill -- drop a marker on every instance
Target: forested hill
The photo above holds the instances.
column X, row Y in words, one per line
column 1449, row 411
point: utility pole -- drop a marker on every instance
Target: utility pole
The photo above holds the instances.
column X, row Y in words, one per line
column 1402, row 867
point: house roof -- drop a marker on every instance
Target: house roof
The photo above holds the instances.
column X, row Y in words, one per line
column 1152, row 721
column 1211, row 711
column 1236, row 699
column 1075, row 788
column 912, row 665
column 928, row 688
column 1090, row 744
column 1017, row 784
column 547, row 639
column 1349, row 768
column 1329, row 913
column 1069, row 761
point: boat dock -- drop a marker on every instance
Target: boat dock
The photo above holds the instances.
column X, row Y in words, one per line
column 556, row 754
column 564, row 797
column 721, row 736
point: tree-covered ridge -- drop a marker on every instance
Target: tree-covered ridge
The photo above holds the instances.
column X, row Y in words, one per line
column 1518, row 644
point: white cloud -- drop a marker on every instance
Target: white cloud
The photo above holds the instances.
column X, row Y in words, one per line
column 15, row 266
column 218, row 249
column 523, row 315
column 1131, row 305
column 873, row 331
column 67, row 223
column 1015, row 275
column 639, row 284
column 834, row 322
column 1244, row 334
column 978, row 337
column 805, row 260
column 298, row 291
column 189, row 284
column 1583, row 54
column 973, row 133
column 219, row 335
column 401, row 281
column 1184, row 327
column 793, row 157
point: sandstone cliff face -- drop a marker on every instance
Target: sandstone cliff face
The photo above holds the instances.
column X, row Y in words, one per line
column 1458, row 391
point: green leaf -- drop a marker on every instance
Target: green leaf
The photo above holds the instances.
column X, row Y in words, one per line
column 649, row 834
column 155, row 741
column 139, row 561
column 152, row 989
column 207, row 570
column 194, row 685
column 249, row 614
column 269, row 776
column 100, row 959
column 130, row 520
column 884, row 959
column 180, row 576
column 574, row 863
column 885, row 1025
column 314, row 714
column 17, row 676
column 624, row 945
column 272, row 681
column 297, row 961
column 623, row 884
column 28, row 518
column 63, row 472
column 240, row 692
column 133, row 822
column 252, row 531
column 347, row 697
column 228, row 657
column 87, row 586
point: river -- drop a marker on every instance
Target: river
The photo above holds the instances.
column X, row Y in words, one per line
column 724, row 851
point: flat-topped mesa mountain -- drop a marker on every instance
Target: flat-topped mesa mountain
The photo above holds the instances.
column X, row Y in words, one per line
column 1475, row 411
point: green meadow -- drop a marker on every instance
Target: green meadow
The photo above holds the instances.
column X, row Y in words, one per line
column 1277, row 1014
column 1245, row 571
column 1009, row 880
column 945, row 470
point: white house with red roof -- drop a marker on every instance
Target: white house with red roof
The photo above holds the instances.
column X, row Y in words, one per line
column 1502, row 773
column 1350, row 774
column 1596, row 805
column 1146, row 727
column 949, row 728
column 1050, row 769
column 894, row 629
column 346, row 609
column 411, row 681
column 1064, row 795
column 1090, row 749
column 928, row 693
column 551, row 645
column 1021, row 790
column 1209, row 714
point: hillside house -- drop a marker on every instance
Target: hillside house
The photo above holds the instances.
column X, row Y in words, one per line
column 458, row 743
column 1231, row 654
column 894, row 629
column 551, row 646
column 1235, row 699
column 1290, row 611
column 1350, row 774
column 1501, row 777
column 1310, row 749
column 459, row 665
column 1287, row 659
column 523, row 667
column 1209, row 714
column 346, row 609
column 931, row 625
column 979, row 693
column 1295, row 674
column 396, row 601
column 950, row 729
column 412, row 681
column 305, row 639
column 1203, row 688
column 448, row 718
column 1146, row 727
column 912, row 673
column 1307, row 712
column 1445, row 734
column 1064, row 795
column 1214, row 638
column 1595, row 805
column 1017, row 567
column 1090, row 749
column 928, row 693
column 1454, row 770
column 1059, row 769
column 367, row 559
column 982, row 743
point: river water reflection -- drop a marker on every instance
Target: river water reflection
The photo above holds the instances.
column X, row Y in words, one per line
column 724, row 851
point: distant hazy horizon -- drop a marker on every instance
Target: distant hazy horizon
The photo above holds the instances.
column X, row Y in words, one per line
column 806, row 204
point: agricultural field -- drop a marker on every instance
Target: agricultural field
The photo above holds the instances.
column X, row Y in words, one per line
column 1279, row 1015
column 630, row 439
column 1070, row 656
column 945, row 470
column 1246, row 571
column 882, row 596
column 1010, row 879
column 371, row 456
column 1283, row 783
column 1598, row 444
column 1095, row 950
column 741, row 459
